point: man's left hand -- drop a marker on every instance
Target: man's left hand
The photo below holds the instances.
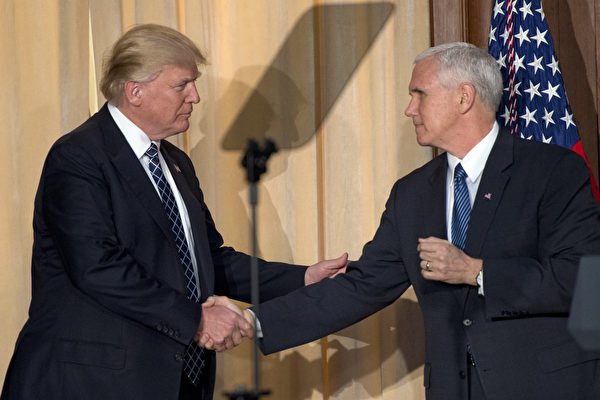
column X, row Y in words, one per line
column 442, row 261
column 326, row 269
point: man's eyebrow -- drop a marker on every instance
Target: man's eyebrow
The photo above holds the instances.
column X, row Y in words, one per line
column 416, row 90
column 185, row 81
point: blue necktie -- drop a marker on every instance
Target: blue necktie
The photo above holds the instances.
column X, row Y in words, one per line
column 194, row 357
column 462, row 208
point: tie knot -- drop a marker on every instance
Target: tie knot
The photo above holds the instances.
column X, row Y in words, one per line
column 152, row 150
column 459, row 172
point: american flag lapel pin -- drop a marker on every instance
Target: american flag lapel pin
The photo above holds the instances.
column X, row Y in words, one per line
column 488, row 196
column 177, row 168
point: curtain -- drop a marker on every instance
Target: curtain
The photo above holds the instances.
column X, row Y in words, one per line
column 326, row 80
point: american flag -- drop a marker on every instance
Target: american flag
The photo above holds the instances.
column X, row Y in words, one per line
column 534, row 104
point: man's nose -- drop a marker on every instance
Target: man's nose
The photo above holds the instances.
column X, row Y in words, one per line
column 410, row 109
column 194, row 97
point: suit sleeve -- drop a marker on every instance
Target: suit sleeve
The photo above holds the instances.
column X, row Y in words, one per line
column 371, row 283
column 78, row 213
column 566, row 226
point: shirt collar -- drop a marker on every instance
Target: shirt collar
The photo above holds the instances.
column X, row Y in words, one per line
column 137, row 139
column 475, row 160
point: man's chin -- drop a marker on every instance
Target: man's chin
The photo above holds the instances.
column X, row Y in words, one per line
column 422, row 141
column 183, row 126
column 180, row 129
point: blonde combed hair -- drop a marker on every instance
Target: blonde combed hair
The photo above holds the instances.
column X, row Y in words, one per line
column 141, row 54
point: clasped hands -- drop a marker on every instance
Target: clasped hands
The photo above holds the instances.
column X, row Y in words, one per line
column 224, row 325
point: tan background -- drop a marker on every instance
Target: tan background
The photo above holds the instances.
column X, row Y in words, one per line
column 333, row 80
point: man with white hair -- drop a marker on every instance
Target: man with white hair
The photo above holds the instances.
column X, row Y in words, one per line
column 489, row 234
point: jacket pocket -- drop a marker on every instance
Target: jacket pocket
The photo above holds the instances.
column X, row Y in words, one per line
column 89, row 353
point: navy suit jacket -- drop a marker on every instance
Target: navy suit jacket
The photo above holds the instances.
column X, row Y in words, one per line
column 534, row 215
column 109, row 318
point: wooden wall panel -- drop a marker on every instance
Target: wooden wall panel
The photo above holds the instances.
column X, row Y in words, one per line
column 572, row 24
column 447, row 21
column 478, row 14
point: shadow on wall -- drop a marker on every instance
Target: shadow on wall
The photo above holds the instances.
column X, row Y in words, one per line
column 306, row 77
column 403, row 346
column 292, row 98
column 295, row 92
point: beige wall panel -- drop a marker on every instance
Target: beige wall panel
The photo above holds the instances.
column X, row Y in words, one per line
column 369, row 144
column 156, row 12
column 105, row 17
column 43, row 51
column 73, row 62
column 242, row 42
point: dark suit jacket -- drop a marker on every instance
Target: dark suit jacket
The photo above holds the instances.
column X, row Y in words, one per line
column 533, row 217
column 109, row 318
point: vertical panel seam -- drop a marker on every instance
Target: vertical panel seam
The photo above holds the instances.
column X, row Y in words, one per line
column 320, row 170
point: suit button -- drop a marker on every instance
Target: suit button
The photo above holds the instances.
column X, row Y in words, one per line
column 171, row 332
column 165, row 329
column 178, row 357
column 462, row 375
column 467, row 322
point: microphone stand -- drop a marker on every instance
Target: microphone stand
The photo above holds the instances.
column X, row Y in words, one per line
column 255, row 161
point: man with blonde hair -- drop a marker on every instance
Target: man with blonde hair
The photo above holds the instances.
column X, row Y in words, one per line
column 126, row 257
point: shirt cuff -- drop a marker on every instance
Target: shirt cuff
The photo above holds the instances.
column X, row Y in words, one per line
column 259, row 333
column 480, row 283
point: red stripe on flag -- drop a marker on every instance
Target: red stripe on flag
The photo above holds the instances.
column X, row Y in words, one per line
column 578, row 148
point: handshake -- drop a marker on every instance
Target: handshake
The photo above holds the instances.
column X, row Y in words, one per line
column 223, row 324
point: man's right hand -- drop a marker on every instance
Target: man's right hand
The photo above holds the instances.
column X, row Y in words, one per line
column 222, row 326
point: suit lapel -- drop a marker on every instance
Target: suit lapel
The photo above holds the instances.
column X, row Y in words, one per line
column 489, row 193
column 130, row 169
column 434, row 201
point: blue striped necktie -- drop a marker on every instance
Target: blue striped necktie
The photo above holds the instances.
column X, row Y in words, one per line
column 462, row 208
column 194, row 357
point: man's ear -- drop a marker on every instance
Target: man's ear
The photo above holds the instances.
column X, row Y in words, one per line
column 132, row 92
column 466, row 91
